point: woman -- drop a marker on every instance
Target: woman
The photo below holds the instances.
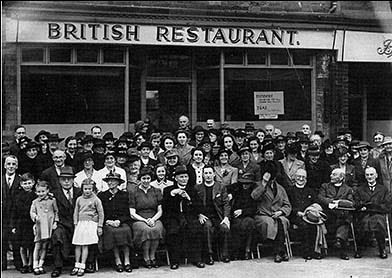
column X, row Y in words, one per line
column 378, row 139
column 255, row 147
column 146, row 208
column 224, row 172
column 167, row 143
column 117, row 234
column 214, row 135
column 260, row 134
column 230, row 145
column 195, row 168
column 28, row 160
column 161, row 181
column 342, row 154
column 88, row 171
column 206, row 146
column 172, row 161
column 183, row 148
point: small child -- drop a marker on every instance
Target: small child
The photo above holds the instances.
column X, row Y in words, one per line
column 21, row 221
column 44, row 213
column 88, row 221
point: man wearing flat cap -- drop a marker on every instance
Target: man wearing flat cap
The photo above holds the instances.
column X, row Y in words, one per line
column 66, row 196
column 364, row 161
column 373, row 200
column 181, row 207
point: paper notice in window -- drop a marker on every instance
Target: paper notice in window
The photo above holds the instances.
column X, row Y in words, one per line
column 269, row 103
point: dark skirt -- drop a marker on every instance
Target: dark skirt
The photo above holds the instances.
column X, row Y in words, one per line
column 117, row 237
column 143, row 232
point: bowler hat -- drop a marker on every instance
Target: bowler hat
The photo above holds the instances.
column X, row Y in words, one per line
column 313, row 215
column 113, row 176
column 180, row 169
column 67, row 172
column 387, row 140
column 247, row 177
column 42, row 132
column 54, row 137
column 109, row 136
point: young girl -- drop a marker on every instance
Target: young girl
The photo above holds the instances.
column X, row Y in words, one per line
column 44, row 213
column 88, row 221
column 22, row 224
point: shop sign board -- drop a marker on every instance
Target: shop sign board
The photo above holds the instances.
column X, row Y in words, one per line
column 268, row 105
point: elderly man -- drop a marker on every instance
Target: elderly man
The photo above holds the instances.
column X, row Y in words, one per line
column 363, row 161
column 301, row 196
column 215, row 213
column 66, row 196
column 273, row 208
column 306, row 130
column 51, row 174
column 373, row 200
column 184, row 123
column 336, row 197
column 19, row 132
column 385, row 160
column 269, row 129
column 96, row 132
column 210, row 124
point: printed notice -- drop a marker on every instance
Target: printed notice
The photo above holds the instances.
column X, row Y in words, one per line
column 269, row 103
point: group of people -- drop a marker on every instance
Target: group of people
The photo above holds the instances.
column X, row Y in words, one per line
column 197, row 192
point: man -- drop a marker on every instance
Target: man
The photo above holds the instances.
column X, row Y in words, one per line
column 280, row 151
column 269, row 129
column 51, row 174
column 373, row 200
column 291, row 164
column 215, row 213
column 336, row 198
column 66, row 196
column 198, row 134
column 306, row 130
column 363, row 161
column 19, row 132
column 318, row 169
column 181, row 207
column 53, row 142
column 301, row 197
column 210, row 124
column 385, row 160
column 9, row 185
column 244, row 165
column 96, row 132
column 273, row 208
column 184, row 123
column 240, row 138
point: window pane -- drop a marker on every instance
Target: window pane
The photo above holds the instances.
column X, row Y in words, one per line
column 235, row 57
column 169, row 63
column 301, row 57
column 87, row 55
column 33, row 54
column 113, row 55
column 279, row 57
column 240, row 85
column 207, row 57
column 58, row 95
column 256, row 57
column 208, row 95
column 60, row 55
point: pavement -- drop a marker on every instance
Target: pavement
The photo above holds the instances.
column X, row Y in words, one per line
column 329, row 267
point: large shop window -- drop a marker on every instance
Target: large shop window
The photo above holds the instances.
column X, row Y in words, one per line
column 67, row 95
column 240, row 85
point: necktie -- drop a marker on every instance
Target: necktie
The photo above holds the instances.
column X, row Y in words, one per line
column 69, row 197
column 9, row 181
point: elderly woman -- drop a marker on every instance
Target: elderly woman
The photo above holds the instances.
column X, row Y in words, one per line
column 146, row 209
column 28, row 159
column 88, row 171
column 117, row 233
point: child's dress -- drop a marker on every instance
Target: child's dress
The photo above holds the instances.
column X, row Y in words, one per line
column 88, row 216
column 46, row 212
column 21, row 218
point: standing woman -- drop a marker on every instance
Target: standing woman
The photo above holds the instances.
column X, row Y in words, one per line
column 224, row 172
column 255, row 148
column 117, row 233
column 214, row 135
column 28, row 160
column 145, row 206
column 260, row 134
column 183, row 148
column 161, row 181
column 230, row 145
column 172, row 161
column 168, row 142
column 196, row 166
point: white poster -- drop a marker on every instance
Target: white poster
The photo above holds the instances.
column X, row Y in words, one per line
column 269, row 103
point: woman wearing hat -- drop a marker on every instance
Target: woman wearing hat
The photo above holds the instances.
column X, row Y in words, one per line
column 224, row 172
column 28, row 159
column 145, row 206
column 172, row 161
column 378, row 139
column 348, row 169
column 117, row 233
column 110, row 166
column 363, row 161
column 88, row 171
column 182, row 147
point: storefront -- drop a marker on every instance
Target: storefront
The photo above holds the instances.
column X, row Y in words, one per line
column 75, row 71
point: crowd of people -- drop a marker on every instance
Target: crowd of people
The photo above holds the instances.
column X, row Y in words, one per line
column 198, row 192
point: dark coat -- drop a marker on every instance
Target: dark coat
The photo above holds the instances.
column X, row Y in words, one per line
column 385, row 172
column 318, row 174
column 300, row 199
column 116, row 207
column 350, row 178
column 50, row 175
column 7, row 199
column 377, row 203
column 250, row 168
column 191, row 173
column 219, row 197
column 328, row 193
column 360, row 172
column 242, row 199
column 29, row 165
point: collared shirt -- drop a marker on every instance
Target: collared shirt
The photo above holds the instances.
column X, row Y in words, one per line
column 145, row 190
column 58, row 170
column 68, row 194
column 372, row 186
column 199, row 172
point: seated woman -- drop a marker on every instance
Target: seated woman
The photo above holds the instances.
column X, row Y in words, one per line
column 145, row 207
column 117, row 233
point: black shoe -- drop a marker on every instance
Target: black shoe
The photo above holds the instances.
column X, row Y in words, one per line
column 128, row 268
column 317, row 256
column 383, row 254
column 210, row 260
column 357, row 255
column 307, row 257
column 90, row 268
column 56, row 272
column 278, row 258
column 24, row 269
column 30, row 269
column 226, row 259
column 285, row 258
column 174, row 266
column 248, row 255
column 119, row 268
column 200, row 264
column 147, row 264
column 36, row 271
column 74, row 271
column 344, row 256
column 154, row 264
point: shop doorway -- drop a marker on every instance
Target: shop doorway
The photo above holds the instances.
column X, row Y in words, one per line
column 166, row 102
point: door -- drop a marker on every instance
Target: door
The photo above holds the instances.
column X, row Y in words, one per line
column 166, row 102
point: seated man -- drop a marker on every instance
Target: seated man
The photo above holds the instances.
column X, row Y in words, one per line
column 301, row 196
column 336, row 198
column 373, row 201
column 215, row 212
column 273, row 208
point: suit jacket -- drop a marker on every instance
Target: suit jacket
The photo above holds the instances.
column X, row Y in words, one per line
column 377, row 201
column 290, row 171
column 350, row 178
column 385, row 173
column 7, row 198
column 219, row 198
column 360, row 172
column 318, row 173
column 50, row 175
column 328, row 193
column 230, row 176
column 65, row 208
